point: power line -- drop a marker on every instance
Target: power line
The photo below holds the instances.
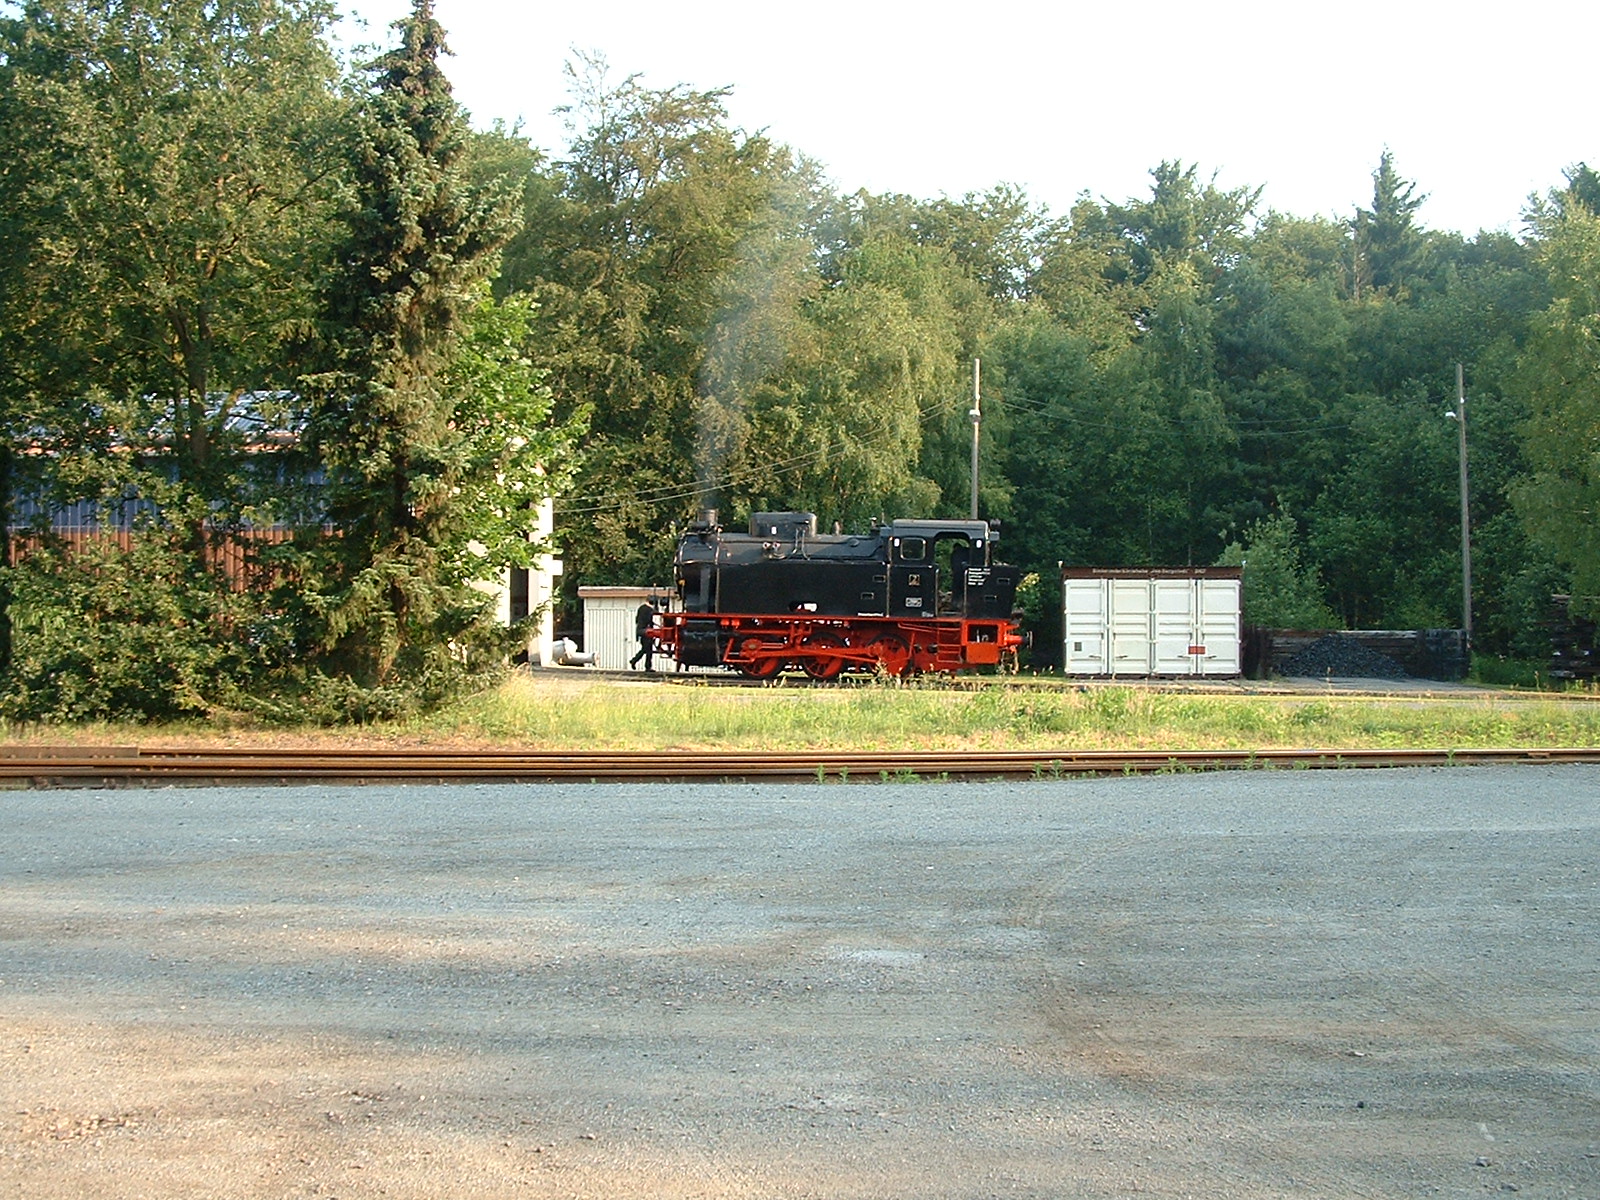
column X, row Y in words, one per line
column 674, row 492
column 1265, row 430
column 671, row 493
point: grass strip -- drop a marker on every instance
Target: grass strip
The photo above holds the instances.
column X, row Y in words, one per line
column 539, row 711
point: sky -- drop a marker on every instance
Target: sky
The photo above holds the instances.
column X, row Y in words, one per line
column 1480, row 106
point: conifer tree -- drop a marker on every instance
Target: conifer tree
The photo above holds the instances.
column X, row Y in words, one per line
column 387, row 593
column 1393, row 249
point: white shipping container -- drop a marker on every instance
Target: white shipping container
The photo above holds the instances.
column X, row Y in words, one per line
column 1167, row 622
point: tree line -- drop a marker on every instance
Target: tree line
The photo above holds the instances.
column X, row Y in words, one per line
column 260, row 305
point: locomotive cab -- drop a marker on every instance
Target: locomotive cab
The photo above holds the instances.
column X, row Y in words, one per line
column 945, row 569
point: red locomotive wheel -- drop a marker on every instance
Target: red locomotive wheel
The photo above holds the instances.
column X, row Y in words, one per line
column 758, row 667
column 892, row 653
column 819, row 664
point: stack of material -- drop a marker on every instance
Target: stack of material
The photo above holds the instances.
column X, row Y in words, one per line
column 1572, row 642
column 1341, row 656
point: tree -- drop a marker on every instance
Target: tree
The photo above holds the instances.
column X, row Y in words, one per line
column 1089, row 452
column 164, row 194
column 838, row 427
column 167, row 192
column 668, row 270
column 1181, row 222
column 1560, row 373
column 1280, row 591
column 995, row 238
column 427, row 415
column 1583, row 186
column 1391, row 250
column 1383, row 528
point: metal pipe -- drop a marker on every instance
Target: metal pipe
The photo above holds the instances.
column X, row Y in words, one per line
column 977, row 416
column 1466, row 520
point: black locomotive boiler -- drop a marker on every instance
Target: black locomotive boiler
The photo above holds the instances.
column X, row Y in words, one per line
column 908, row 596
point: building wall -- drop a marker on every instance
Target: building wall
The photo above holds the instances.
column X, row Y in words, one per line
column 524, row 590
column 514, row 594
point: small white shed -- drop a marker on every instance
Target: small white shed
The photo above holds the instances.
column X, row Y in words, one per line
column 1168, row 621
column 608, row 616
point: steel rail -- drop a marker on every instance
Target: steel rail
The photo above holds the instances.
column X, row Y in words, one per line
column 120, row 765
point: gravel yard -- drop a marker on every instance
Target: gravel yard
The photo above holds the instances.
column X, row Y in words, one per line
column 1306, row 984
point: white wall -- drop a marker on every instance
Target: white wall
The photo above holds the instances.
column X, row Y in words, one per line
column 542, row 577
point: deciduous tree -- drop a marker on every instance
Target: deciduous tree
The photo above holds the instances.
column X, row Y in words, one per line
column 163, row 204
column 667, row 273
column 1560, row 374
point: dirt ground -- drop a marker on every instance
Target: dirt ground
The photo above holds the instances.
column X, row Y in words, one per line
column 1281, row 984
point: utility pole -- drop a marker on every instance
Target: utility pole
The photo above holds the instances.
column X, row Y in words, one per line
column 976, row 415
column 1460, row 416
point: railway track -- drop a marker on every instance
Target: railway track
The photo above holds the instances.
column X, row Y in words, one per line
column 110, row 766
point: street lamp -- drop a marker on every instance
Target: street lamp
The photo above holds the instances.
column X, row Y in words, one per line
column 1459, row 416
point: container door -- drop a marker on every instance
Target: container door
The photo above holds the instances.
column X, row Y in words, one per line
column 1130, row 626
column 1084, row 620
column 1219, row 627
column 1173, row 620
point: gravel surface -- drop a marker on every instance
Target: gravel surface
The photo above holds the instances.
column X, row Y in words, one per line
column 1277, row 984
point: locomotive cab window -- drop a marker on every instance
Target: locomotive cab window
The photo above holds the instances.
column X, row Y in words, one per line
column 912, row 549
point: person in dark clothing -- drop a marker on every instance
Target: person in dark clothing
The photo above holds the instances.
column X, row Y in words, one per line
column 642, row 621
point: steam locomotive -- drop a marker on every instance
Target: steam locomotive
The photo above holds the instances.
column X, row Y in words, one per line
column 908, row 596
